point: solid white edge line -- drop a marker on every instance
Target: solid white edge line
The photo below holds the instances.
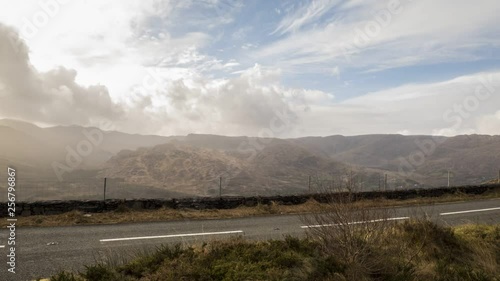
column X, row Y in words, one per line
column 171, row 236
column 355, row 222
column 469, row 211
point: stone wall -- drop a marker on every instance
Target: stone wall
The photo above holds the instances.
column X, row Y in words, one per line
column 58, row 207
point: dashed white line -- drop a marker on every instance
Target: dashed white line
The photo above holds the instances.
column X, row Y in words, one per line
column 172, row 236
column 355, row 222
column 469, row 211
column 2, row 246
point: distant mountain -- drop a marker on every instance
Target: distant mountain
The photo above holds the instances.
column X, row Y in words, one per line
column 470, row 159
column 173, row 166
column 21, row 126
column 214, row 141
column 22, row 143
column 280, row 167
column 21, row 149
column 195, row 163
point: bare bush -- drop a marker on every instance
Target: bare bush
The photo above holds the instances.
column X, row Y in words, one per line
column 352, row 233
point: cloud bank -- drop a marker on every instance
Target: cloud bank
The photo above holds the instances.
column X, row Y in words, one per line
column 163, row 67
column 165, row 104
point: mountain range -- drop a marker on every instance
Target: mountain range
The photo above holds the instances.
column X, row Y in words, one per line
column 51, row 160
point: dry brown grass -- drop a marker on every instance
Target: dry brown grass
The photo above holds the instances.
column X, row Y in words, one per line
column 164, row 214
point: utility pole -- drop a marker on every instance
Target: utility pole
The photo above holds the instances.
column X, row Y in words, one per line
column 498, row 180
column 309, row 185
column 385, row 182
column 104, row 189
column 448, row 178
column 350, row 180
column 220, row 187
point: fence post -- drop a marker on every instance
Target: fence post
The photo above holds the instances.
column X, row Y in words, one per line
column 350, row 180
column 105, row 189
column 220, row 187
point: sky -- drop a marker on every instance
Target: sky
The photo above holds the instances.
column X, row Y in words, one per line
column 255, row 68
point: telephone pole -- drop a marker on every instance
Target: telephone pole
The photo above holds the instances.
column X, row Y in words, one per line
column 350, row 180
column 220, row 187
column 105, row 189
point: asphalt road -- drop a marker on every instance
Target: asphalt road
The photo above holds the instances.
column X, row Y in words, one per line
column 42, row 251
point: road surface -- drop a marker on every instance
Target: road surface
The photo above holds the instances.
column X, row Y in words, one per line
column 43, row 251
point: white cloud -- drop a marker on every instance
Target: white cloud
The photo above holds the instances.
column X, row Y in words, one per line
column 241, row 33
column 466, row 104
column 304, row 15
column 404, row 132
column 244, row 105
column 248, row 46
column 177, row 98
column 161, row 80
column 385, row 34
column 336, row 72
column 109, row 43
column 52, row 96
column 488, row 124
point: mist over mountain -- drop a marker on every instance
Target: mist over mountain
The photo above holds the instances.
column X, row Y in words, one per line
column 425, row 159
column 38, row 148
column 196, row 164
column 281, row 167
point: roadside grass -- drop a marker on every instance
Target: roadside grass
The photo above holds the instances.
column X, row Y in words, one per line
column 126, row 215
column 431, row 252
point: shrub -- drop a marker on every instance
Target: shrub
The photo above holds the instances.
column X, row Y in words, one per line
column 146, row 264
column 412, row 250
column 101, row 272
column 65, row 276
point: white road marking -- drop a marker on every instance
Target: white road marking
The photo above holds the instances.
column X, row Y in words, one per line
column 469, row 211
column 2, row 246
column 172, row 236
column 355, row 222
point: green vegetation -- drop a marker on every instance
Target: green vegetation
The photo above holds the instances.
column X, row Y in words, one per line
column 414, row 250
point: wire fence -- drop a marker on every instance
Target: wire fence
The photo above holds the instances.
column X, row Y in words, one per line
column 93, row 188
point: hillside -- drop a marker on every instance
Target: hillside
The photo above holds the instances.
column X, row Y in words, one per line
column 23, row 143
column 470, row 159
column 25, row 151
column 173, row 166
column 280, row 168
column 194, row 163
